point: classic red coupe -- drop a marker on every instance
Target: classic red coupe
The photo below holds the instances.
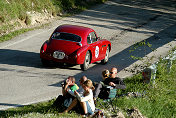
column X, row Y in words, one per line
column 73, row 44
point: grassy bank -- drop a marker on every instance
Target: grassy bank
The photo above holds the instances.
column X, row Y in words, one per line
column 16, row 9
column 14, row 17
column 158, row 100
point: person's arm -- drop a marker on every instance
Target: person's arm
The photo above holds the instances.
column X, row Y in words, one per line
column 84, row 98
column 107, row 81
column 64, row 90
column 71, row 93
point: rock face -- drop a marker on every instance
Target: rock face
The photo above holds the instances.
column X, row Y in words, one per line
column 36, row 17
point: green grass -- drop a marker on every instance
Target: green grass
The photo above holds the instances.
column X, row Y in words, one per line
column 44, row 110
column 159, row 100
column 13, row 34
column 13, row 9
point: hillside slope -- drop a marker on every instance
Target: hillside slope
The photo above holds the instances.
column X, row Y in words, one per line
column 18, row 14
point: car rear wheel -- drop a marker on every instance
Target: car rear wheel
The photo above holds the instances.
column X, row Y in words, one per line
column 86, row 63
column 105, row 60
column 45, row 62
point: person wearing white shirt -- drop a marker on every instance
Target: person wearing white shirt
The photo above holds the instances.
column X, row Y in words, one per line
column 85, row 99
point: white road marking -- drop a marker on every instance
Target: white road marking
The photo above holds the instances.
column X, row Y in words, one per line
column 22, row 40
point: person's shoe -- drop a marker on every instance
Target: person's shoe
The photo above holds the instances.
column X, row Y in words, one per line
column 85, row 116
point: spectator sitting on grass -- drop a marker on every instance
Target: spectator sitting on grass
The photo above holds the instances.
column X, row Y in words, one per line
column 112, row 80
column 69, row 85
column 80, row 90
column 85, row 99
column 98, row 86
column 68, row 88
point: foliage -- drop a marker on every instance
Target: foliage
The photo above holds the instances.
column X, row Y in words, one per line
column 158, row 99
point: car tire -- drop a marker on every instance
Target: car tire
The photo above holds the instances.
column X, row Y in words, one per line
column 86, row 63
column 105, row 60
column 45, row 62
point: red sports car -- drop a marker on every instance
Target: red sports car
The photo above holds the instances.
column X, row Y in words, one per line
column 73, row 44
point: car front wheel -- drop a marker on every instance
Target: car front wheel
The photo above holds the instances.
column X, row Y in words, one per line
column 105, row 60
column 86, row 63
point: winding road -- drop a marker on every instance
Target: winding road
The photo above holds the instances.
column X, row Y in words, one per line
column 23, row 79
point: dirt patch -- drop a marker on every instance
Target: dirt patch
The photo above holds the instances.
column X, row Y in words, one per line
column 134, row 113
column 39, row 18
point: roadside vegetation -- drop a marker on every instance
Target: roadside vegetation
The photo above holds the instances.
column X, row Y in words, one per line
column 15, row 15
column 156, row 100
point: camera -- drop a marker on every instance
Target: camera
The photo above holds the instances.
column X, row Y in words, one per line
column 63, row 84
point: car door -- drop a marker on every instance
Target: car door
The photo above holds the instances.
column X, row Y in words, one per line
column 95, row 46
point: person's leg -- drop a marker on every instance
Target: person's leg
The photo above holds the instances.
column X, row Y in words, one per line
column 84, row 106
column 89, row 110
column 73, row 104
column 97, row 90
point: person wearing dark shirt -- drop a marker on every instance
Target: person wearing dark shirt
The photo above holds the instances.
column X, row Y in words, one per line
column 112, row 80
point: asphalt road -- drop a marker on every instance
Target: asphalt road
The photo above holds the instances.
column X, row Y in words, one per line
column 23, row 79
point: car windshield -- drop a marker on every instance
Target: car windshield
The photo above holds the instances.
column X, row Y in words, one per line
column 66, row 36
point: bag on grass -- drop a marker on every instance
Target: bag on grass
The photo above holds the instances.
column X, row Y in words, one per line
column 59, row 101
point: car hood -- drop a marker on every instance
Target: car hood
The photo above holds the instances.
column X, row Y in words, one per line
column 68, row 47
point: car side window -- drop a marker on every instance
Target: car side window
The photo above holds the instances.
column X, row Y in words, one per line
column 93, row 37
column 89, row 41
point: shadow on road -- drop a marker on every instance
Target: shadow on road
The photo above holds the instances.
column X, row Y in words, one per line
column 123, row 15
column 7, row 104
column 20, row 58
column 134, row 16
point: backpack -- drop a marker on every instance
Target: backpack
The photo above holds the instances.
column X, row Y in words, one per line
column 59, row 101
